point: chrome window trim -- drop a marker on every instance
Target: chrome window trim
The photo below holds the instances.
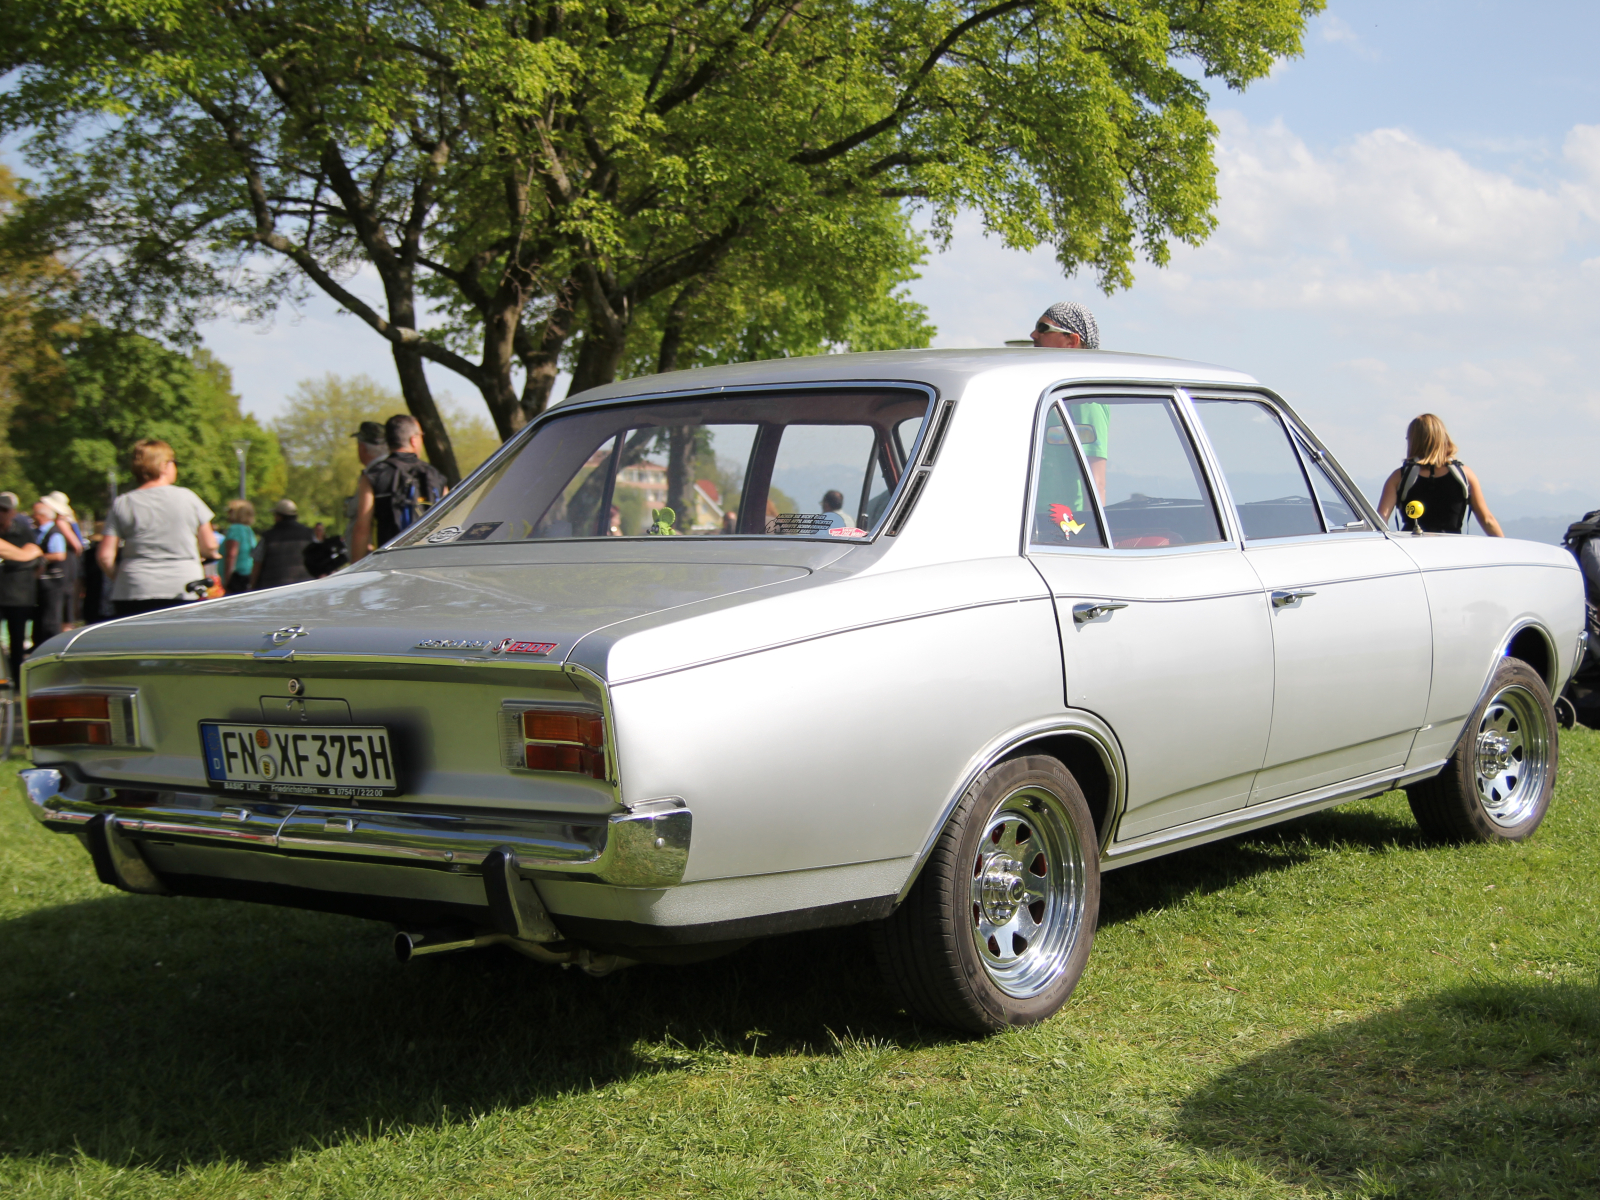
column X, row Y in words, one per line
column 914, row 463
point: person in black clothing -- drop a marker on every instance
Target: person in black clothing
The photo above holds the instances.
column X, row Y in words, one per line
column 19, row 598
column 280, row 555
column 395, row 492
column 1433, row 477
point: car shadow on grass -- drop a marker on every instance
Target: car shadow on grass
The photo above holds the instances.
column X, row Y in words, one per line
column 1130, row 892
column 156, row 1032
column 1483, row 1090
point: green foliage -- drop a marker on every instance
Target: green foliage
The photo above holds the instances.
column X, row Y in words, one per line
column 315, row 432
column 627, row 179
column 72, row 427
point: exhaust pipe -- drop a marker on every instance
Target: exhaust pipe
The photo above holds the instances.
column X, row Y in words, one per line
column 415, row 944
column 409, row 945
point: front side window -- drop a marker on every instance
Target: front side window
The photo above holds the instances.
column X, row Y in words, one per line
column 820, row 464
column 1269, row 488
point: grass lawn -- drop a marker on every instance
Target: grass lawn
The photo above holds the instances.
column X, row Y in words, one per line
column 1330, row 1008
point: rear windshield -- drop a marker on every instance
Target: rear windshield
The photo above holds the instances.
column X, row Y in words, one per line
column 817, row 464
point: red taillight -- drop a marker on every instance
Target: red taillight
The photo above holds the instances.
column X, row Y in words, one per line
column 545, row 725
column 575, row 759
column 70, row 720
column 564, row 740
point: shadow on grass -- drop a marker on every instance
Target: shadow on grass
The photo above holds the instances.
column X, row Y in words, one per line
column 1130, row 892
column 1487, row 1090
column 153, row 1031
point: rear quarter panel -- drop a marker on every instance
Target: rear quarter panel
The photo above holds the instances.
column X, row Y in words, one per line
column 840, row 741
column 1480, row 592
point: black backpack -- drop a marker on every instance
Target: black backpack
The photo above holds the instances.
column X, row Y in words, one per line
column 1411, row 470
column 409, row 486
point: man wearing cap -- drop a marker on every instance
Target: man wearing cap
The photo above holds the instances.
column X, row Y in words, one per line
column 1070, row 326
column 280, row 557
column 370, row 447
column 18, row 586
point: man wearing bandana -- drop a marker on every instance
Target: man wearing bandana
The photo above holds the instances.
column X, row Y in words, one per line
column 1069, row 326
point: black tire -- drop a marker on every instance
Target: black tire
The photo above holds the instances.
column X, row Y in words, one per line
column 1018, row 860
column 1497, row 785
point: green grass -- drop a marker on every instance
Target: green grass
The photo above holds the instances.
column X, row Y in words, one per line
column 1330, row 1008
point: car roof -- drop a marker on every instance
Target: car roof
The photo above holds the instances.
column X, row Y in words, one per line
column 947, row 370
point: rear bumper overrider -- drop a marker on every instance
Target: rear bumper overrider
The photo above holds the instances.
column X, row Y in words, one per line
column 644, row 847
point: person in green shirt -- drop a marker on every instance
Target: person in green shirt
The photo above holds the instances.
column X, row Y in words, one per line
column 239, row 547
column 1070, row 326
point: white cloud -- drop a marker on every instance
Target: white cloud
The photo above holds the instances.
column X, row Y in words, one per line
column 1383, row 278
column 1332, row 29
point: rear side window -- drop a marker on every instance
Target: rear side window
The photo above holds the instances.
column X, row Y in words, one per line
column 819, row 464
column 1144, row 478
column 1269, row 487
column 1064, row 512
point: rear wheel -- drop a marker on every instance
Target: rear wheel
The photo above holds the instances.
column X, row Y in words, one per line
column 1497, row 785
column 998, row 927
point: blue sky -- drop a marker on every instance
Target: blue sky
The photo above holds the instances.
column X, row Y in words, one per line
column 1410, row 221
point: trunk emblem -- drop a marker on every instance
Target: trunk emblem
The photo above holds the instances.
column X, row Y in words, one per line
column 509, row 645
column 288, row 633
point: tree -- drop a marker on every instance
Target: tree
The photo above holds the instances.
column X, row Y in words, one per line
column 315, row 433
column 559, row 176
column 28, row 281
column 74, row 427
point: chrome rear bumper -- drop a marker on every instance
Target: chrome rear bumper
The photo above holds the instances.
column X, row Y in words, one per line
column 646, row 847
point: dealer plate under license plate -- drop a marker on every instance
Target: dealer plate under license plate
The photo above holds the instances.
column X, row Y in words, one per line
column 326, row 760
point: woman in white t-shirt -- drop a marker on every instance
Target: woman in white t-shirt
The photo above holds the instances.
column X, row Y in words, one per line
column 163, row 532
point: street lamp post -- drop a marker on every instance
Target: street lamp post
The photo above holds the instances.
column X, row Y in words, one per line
column 240, row 449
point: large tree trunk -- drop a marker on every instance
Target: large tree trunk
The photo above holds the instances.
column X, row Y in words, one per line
column 419, row 402
column 543, row 363
column 599, row 357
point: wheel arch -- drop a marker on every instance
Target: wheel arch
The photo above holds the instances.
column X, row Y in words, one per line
column 1081, row 742
column 1532, row 643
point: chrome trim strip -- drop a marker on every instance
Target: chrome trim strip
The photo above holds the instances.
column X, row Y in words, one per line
column 1243, row 820
column 815, row 637
column 646, row 846
column 1076, row 722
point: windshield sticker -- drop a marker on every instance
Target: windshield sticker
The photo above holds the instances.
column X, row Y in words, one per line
column 479, row 532
column 803, row 524
column 847, row 531
column 448, row 534
column 1062, row 516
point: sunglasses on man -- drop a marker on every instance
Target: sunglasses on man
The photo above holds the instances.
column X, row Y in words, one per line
column 1046, row 327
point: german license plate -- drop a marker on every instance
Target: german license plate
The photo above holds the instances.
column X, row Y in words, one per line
column 323, row 760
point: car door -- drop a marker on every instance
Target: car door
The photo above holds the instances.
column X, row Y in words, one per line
column 1164, row 626
column 1352, row 640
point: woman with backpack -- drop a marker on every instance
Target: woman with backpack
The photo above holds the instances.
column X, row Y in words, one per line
column 1432, row 477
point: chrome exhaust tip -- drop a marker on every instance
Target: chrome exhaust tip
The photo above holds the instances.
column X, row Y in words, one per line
column 409, row 944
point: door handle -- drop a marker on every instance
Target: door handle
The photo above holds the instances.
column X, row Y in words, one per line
column 1284, row 599
column 1082, row 613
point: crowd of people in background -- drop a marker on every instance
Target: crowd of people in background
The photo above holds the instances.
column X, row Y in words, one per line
column 161, row 545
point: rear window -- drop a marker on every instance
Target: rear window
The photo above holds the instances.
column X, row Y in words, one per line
column 818, row 464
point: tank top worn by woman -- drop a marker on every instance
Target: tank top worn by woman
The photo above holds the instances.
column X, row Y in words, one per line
column 1444, row 504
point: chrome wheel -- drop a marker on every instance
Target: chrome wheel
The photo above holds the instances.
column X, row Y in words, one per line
column 1029, row 882
column 1511, row 755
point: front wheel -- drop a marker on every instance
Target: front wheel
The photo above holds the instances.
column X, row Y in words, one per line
column 1497, row 785
column 997, row 929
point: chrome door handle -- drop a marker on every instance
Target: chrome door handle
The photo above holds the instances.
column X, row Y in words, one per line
column 1082, row 613
column 1284, row 599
